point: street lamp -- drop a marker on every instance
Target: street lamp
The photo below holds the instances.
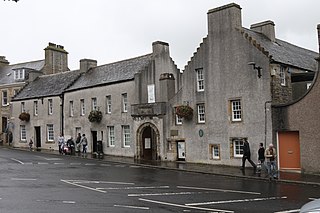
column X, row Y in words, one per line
column 258, row 68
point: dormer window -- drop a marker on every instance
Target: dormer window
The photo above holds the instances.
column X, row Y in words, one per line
column 19, row 74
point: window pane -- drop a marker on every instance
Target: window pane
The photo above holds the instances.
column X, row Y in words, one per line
column 126, row 135
column 23, row 132
column 236, row 110
column 111, row 135
column 201, row 113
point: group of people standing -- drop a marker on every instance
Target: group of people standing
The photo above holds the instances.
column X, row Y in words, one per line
column 267, row 156
column 70, row 144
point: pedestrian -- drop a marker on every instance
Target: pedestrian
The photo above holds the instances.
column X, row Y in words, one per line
column 78, row 144
column 61, row 143
column 30, row 144
column 261, row 158
column 271, row 155
column 84, row 143
column 70, row 145
column 247, row 155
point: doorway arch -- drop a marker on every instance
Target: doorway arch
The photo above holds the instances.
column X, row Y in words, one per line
column 148, row 147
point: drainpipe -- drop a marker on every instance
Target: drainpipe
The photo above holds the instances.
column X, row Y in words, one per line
column 265, row 122
column 61, row 113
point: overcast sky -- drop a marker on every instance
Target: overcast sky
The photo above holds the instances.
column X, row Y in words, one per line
column 113, row 30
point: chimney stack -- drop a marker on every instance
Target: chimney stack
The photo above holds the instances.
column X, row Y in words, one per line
column 266, row 28
column 86, row 64
column 56, row 59
column 3, row 61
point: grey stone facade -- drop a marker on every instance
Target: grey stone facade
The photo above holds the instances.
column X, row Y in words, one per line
column 231, row 82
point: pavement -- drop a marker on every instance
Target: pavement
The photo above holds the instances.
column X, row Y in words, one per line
column 230, row 171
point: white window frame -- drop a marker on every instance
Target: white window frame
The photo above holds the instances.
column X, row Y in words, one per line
column 23, row 107
column 236, row 110
column 35, row 108
column 82, row 107
column 124, row 102
column 94, row 103
column 215, row 151
column 50, row 106
column 111, row 136
column 282, row 75
column 71, row 109
column 23, row 133
column 108, row 104
column 237, row 147
column 126, row 136
column 201, row 113
column 50, row 132
column 178, row 120
column 200, row 80
column 5, row 101
column 19, row 74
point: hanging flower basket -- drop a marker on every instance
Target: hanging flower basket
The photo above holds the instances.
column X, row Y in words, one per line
column 95, row 116
column 184, row 111
column 24, row 116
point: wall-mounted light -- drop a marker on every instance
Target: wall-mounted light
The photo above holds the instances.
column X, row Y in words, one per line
column 258, row 68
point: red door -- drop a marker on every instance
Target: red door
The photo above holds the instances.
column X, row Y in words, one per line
column 289, row 150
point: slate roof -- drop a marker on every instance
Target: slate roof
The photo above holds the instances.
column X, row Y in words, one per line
column 286, row 53
column 47, row 85
column 7, row 72
column 111, row 73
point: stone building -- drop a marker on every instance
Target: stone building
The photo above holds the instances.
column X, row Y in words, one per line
column 16, row 76
column 232, row 89
column 231, row 82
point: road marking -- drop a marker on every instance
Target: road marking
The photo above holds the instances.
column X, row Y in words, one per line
column 86, row 187
column 234, row 201
column 75, row 163
column 90, row 164
column 58, row 163
column 289, row 211
column 164, row 194
column 22, row 179
column 132, row 207
column 16, row 160
column 137, row 187
column 219, row 190
column 184, row 206
column 135, row 166
column 69, row 201
column 48, row 158
column 42, row 163
column 105, row 165
column 98, row 182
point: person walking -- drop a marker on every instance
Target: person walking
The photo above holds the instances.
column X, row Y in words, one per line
column 261, row 158
column 30, row 144
column 271, row 155
column 78, row 144
column 84, row 143
column 61, row 143
column 247, row 155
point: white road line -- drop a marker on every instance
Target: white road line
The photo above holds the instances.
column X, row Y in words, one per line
column 289, row 211
column 90, row 164
column 69, row 201
column 42, row 163
column 99, row 182
column 86, row 187
column 58, row 163
column 166, row 194
column 234, row 201
column 137, row 187
column 183, row 206
column 16, row 160
column 105, row 164
column 75, row 163
column 219, row 190
column 132, row 207
column 22, row 179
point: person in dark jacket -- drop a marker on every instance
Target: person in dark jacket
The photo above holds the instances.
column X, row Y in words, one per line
column 261, row 158
column 247, row 155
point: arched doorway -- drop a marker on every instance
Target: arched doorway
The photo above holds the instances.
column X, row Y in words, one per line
column 148, row 142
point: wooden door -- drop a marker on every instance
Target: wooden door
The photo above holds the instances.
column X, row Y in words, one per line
column 289, row 150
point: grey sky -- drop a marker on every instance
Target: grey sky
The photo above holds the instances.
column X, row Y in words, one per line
column 112, row 30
